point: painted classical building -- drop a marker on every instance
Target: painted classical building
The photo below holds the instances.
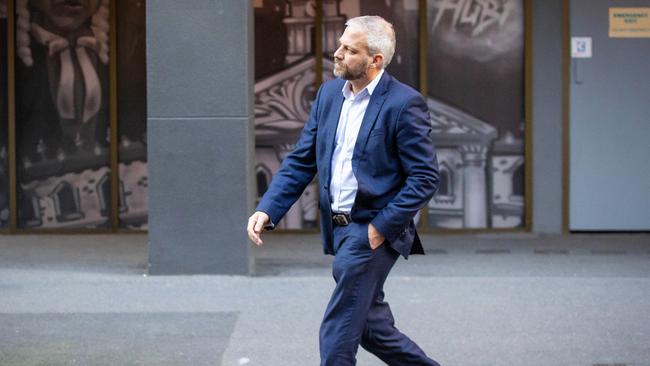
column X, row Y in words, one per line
column 80, row 197
column 481, row 175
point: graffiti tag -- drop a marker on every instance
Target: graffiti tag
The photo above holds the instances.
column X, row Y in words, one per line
column 478, row 14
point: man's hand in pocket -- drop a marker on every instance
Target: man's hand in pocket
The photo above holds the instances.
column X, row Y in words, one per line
column 374, row 237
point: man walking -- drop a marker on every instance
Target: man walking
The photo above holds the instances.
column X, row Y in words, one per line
column 368, row 138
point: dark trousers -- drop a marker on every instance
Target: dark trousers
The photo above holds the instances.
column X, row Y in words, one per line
column 357, row 313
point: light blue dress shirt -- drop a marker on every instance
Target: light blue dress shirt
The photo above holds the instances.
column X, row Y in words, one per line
column 343, row 184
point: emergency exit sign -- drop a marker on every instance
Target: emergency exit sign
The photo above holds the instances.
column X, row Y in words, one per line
column 629, row 22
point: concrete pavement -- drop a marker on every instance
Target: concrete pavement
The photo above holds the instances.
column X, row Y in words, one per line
column 490, row 299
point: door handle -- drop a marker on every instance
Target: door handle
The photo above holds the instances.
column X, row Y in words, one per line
column 578, row 72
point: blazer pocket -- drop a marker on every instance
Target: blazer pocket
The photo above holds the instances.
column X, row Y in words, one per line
column 377, row 132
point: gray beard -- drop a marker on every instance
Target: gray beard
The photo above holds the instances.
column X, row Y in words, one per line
column 347, row 74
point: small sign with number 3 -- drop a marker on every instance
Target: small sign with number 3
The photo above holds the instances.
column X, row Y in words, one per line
column 581, row 47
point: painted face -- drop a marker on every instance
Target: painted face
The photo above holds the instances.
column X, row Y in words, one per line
column 64, row 16
column 351, row 59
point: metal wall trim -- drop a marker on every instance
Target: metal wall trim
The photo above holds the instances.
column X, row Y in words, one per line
column 423, row 33
column 566, row 148
column 318, row 43
column 11, row 116
column 528, row 115
column 115, row 173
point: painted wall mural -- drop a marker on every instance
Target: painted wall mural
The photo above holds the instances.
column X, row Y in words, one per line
column 475, row 85
column 62, row 115
column 285, row 87
column 476, row 96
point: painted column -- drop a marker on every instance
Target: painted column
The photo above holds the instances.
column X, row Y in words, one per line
column 474, row 186
column 293, row 218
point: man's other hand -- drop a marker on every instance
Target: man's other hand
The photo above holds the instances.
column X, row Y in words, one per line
column 375, row 237
column 256, row 226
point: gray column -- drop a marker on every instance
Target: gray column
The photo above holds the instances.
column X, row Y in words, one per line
column 200, row 86
column 547, row 116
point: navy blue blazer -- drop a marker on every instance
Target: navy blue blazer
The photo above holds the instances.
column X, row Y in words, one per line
column 394, row 162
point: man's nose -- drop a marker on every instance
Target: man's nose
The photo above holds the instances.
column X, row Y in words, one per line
column 339, row 54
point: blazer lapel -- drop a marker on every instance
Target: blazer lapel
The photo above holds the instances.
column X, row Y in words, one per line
column 330, row 132
column 374, row 106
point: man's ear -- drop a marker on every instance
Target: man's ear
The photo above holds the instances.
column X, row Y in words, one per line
column 378, row 60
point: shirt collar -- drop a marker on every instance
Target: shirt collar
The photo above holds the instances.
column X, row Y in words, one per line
column 347, row 87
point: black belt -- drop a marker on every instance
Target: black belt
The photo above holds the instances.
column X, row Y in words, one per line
column 341, row 219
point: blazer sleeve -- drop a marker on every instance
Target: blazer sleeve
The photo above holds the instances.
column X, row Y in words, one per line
column 417, row 156
column 296, row 172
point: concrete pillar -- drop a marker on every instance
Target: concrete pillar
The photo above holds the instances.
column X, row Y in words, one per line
column 200, row 135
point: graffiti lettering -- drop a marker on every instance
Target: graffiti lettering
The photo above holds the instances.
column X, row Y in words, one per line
column 478, row 14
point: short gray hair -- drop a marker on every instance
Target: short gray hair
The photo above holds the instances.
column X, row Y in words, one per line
column 380, row 35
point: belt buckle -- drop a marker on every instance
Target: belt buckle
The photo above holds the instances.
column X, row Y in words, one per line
column 340, row 220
